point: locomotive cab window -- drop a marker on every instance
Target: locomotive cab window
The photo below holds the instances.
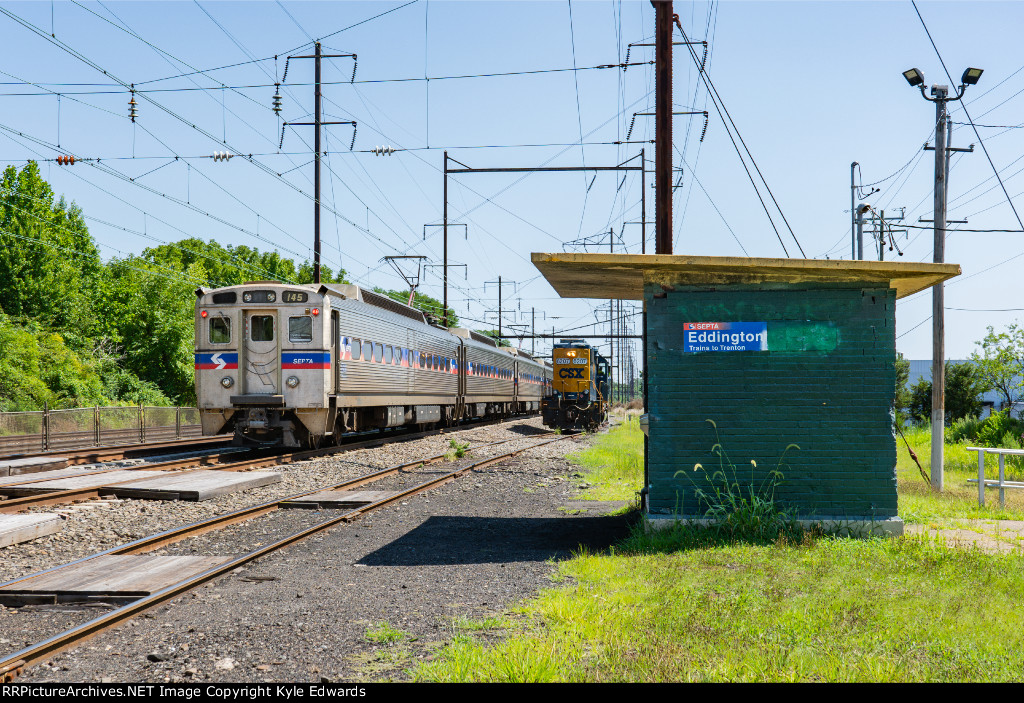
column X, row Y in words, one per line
column 300, row 329
column 261, row 328
column 220, row 330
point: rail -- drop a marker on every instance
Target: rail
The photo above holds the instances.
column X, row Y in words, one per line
column 51, row 430
column 1002, row 484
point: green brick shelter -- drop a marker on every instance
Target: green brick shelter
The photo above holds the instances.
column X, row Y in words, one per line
column 757, row 355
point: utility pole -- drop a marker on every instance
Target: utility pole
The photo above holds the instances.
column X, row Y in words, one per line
column 317, row 123
column 500, row 310
column 861, row 210
column 533, row 331
column 445, row 308
column 663, row 126
column 940, row 96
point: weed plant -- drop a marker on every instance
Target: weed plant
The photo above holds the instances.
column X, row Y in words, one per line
column 386, row 633
column 456, row 449
column 742, row 511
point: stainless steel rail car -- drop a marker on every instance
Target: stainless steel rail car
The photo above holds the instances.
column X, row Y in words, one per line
column 291, row 365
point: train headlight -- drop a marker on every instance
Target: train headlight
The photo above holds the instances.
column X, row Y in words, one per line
column 292, row 381
column 271, row 297
column 227, row 382
column 247, row 297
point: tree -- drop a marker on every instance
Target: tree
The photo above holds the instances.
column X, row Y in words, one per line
column 903, row 395
column 1001, row 363
column 234, row 265
column 49, row 265
column 964, row 387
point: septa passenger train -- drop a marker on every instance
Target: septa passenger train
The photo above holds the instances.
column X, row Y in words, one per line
column 298, row 365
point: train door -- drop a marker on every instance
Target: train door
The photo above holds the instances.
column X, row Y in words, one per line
column 262, row 367
column 335, row 351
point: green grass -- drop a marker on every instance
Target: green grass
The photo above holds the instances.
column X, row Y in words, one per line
column 825, row 610
column 687, row 604
column 385, row 633
column 959, row 499
column 613, row 467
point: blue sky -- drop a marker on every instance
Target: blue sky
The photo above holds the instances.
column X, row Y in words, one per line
column 812, row 87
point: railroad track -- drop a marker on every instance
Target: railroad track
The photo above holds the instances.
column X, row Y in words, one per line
column 14, row 664
column 261, row 459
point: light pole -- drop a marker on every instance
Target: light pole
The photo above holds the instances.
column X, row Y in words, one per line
column 940, row 96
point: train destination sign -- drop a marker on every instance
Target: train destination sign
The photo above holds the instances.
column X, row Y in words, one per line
column 725, row 336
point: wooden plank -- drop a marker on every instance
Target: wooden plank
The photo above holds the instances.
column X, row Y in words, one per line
column 22, row 527
column 32, row 464
column 94, row 479
column 339, row 499
column 195, row 485
column 109, row 576
column 48, row 476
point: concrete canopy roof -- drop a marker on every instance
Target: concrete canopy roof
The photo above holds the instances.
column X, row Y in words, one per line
column 623, row 276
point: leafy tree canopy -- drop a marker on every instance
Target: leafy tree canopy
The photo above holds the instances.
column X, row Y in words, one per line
column 964, row 388
column 1001, row 362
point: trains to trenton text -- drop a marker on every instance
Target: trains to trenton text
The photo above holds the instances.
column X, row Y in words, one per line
column 298, row 365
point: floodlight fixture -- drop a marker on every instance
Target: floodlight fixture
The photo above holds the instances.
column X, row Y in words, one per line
column 971, row 76
column 915, row 77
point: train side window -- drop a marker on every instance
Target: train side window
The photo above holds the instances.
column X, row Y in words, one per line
column 220, row 330
column 300, row 329
column 378, row 352
column 387, row 353
column 368, row 350
column 357, row 347
column 261, row 328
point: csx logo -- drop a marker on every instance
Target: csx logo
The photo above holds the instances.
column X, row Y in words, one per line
column 570, row 373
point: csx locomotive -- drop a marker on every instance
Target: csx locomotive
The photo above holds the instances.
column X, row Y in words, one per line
column 298, row 365
column 579, row 394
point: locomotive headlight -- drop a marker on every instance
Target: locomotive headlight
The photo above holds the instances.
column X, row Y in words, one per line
column 292, row 381
column 227, row 382
column 271, row 297
column 247, row 297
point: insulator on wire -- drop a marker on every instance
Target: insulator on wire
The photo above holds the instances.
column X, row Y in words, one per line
column 65, row 160
column 625, row 64
column 630, row 132
column 284, row 76
column 704, row 61
column 132, row 105
column 277, row 99
column 354, row 64
column 705, row 130
column 281, row 143
column 352, row 144
column 383, row 150
column 222, row 155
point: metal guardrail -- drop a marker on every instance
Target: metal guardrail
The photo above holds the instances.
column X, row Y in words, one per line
column 48, row 430
column 1002, row 484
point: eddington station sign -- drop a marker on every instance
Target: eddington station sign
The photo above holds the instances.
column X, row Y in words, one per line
column 725, row 336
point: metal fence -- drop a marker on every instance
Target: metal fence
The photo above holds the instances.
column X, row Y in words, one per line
column 95, row 427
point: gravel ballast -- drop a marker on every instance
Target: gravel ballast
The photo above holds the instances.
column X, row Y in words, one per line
column 316, row 610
